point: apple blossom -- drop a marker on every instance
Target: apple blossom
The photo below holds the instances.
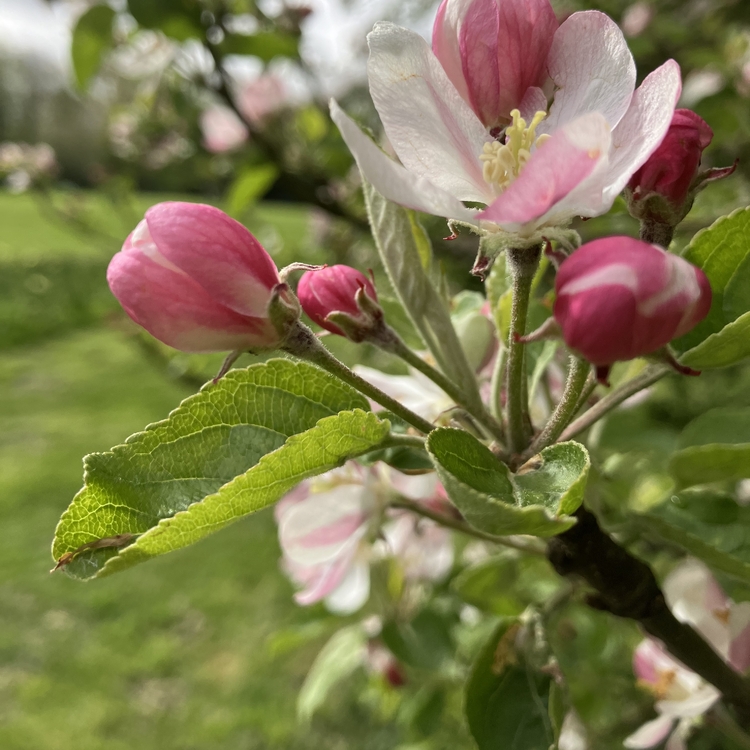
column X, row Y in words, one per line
column 619, row 298
column 327, row 528
column 222, row 130
column 696, row 598
column 553, row 162
column 333, row 291
column 198, row 281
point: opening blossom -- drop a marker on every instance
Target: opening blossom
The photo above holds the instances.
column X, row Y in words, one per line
column 537, row 122
column 696, row 598
column 197, row 280
column 619, row 298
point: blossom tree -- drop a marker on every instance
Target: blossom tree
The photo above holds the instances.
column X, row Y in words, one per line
column 397, row 489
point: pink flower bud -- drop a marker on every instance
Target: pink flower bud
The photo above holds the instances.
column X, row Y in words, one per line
column 197, row 280
column 334, row 290
column 671, row 169
column 619, row 298
column 494, row 51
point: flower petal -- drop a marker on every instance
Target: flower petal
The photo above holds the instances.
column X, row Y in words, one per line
column 592, row 69
column 739, row 630
column 643, row 127
column 534, row 100
column 215, row 250
column 562, row 163
column 431, row 128
column 324, row 525
column 650, row 734
column 391, row 180
column 177, row 310
column 352, row 592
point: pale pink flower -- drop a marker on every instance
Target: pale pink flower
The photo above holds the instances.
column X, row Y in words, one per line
column 696, row 598
column 260, row 98
column 560, row 160
column 222, row 130
column 327, row 530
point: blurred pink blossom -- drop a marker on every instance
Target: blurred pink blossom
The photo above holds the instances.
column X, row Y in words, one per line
column 262, row 97
column 222, row 130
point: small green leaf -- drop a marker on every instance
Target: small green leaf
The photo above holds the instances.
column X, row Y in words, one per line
column 709, row 525
column 208, row 440
column 723, row 252
column 714, row 447
column 507, row 583
column 400, row 241
column 264, row 44
column 341, row 656
column 425, row 642
column 92, row 37
column 250, row 185
column 178, row 19
column 506, row 700
column 536, row 500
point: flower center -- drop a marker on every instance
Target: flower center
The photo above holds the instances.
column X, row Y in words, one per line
column 503, row 162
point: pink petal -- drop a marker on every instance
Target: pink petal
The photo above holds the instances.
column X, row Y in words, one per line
column 491, row 51
column 320, row 580
column 642, row 129
column 391, row 180
column 650, row 734
column 592, row 69
column 431, row 128
column 216, row 251
column 325, row 525
column 557, row 167
column 177, row 310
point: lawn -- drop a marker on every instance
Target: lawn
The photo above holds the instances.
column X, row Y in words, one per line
column 199, row 649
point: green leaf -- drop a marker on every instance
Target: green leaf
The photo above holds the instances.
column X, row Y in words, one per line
column 507, row 583
column 536, row 500
column 723, row 252
column 400, row 241
column 251, row 184
column 425, row 642
column 506, row 700
column 178, row 19
column 92, row 37
column 208, row 440
column 341, row 656
column 264, row 44
column 714, row 447
column 709, row 525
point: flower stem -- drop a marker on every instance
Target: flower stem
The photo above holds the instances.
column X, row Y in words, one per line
column 648, row 377
column 656, row 232
column 475, row 407
column 567, row 406
column 531, row 547
column 498, row 381
column 303, row 343
column 523, row 263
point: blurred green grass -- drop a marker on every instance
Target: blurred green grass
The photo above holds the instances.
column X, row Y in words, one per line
column 200, row 649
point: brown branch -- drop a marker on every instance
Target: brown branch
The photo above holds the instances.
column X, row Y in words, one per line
column 626, row 587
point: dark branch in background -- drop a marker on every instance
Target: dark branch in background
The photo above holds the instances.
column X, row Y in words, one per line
column 626, row 587
column 306, row 188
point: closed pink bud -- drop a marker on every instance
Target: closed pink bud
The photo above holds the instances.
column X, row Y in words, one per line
column 671, row 169
column 494, row 51
column 197, row 280
column 333, row 289
column 619, row 298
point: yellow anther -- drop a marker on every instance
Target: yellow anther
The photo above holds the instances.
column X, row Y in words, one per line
column 503, row 162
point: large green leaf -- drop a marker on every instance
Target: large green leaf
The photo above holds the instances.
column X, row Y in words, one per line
column 714, row 447
column 402, row 244
column 723, row 252
column 424, row 642
column 506, row 700
column 707, row 524
column 537, row 500
column 208, row 440
column 92, row 37
column 179, row 19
